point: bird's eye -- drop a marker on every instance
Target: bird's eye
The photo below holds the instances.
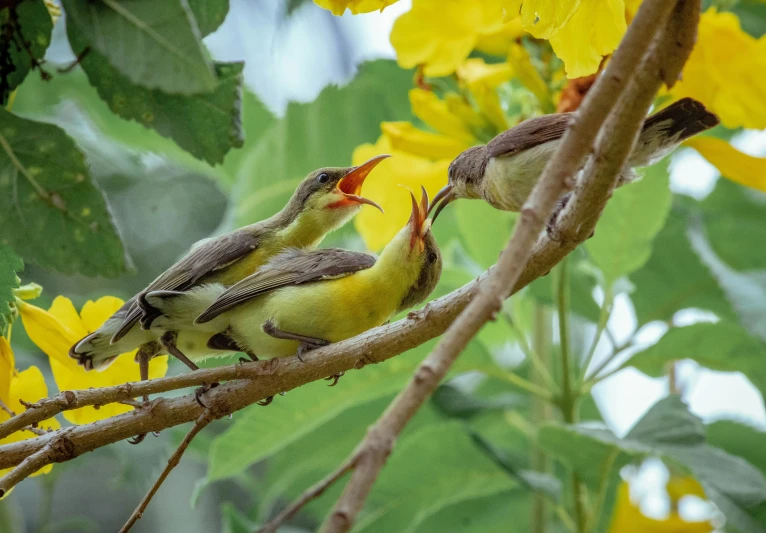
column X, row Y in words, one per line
column 432, row 257
column 323, row 178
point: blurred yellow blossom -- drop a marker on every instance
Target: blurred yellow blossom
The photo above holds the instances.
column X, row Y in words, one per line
column 482, row 80
column 541, row 18
column 406, row 137
column 628, row 517
column 496, row 42
column 338, row 7
column 432, row 110
column 525, row 71
column 28, row 385
column 725, row 72
column 733, row 164
column 54, row 331
column 440, row 34
column 404, row 169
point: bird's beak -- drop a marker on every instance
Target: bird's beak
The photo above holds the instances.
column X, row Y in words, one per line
column 419, row 222
column 351, row 184
column 445, row 196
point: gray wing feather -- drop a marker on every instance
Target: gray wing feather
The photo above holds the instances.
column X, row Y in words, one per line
column 209, row 257
column 293, row 267
column 528, row 134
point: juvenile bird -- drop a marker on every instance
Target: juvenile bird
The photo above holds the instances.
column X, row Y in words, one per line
column 302, row 299
column 325, row 200
column 504, row 171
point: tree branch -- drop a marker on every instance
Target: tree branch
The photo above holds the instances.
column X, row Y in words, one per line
column 203, row 420
column 50, row 453
column 556, row 178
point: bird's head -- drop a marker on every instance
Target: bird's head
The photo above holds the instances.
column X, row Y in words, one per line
column 464, row 178
column 332, row 196
column 417, row 254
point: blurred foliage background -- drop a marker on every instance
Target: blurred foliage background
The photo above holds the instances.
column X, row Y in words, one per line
column 671, row 275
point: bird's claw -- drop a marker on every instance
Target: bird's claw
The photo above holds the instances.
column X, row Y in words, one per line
column 266, row 401
column 201, row 391
column 334, row 378
column 308, row 346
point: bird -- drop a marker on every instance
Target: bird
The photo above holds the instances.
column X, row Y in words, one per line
column 504, row 171
column 302, row 299
column 324, row 200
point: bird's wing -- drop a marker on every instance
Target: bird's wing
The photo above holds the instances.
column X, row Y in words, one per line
column 530, row 133
column 293, row 267
column 208, row 257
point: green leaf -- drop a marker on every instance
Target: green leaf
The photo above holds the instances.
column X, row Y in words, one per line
column 26, row 29
column 433, row 468
column 582, row 282
column 10, row 263
column 752, row 16
column 321, row 133
column 505, row 511
column 632, row 218
column 723, row 346
column 205, row 125
column 234, row 521
column 153, row 44
column 669, row 431
column 454, row 403
column 665, row 286
column 51, row 212
column 733, row 217
column 485, row 230
column 209, row 14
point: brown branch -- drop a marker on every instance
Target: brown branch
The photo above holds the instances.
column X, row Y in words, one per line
column 556, row 178
column 50, row 453
column 312, row 492
column 204, row 419
column 11, row 413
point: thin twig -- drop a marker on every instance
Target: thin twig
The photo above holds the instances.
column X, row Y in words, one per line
column 54, row 450
column 603, row 318
column 310, row 494
column 203, row 420
column 11, row 413
column 532, row 356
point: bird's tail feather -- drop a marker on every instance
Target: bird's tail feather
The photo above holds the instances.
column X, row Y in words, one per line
column 666, row 129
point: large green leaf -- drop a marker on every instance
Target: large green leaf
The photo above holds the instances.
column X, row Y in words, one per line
column 156, row 45
column 206, row 125
column 26, row 33
column 484, row 230
column 631, row 220
column 51, row 212
column 506, row 511
column 674, row 278
column 209, row 14
column 10, row 263
column 752, row 16
column 723, row 346
column 669, row 431
column 433, row 468
column 733, row 217
column 321, row 133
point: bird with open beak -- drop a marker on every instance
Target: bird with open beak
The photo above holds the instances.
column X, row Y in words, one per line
column 302, row 299
column 504, row 171
column 325, row 200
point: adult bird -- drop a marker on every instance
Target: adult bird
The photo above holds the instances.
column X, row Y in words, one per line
column 325, row 200
column 504, row 171
column 302, row 299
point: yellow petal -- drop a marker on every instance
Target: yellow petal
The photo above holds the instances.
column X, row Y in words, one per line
column 594, row 31
column 338, row 7
column 680, row 486
column 407, row 138
column 402, row 169
column 541, row 18
column 489, row 102
column 631, row 7
column 438, row 34
column 519, row 59
column 497, row 40
column 53, row 331
column 733, row 164
column 6, row 369
column 459, row 106
column 475, row 71
column 725, row 72
column 434, row 112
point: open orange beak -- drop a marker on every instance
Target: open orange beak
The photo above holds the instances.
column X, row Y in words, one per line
column 351, row 184
column 419, row 222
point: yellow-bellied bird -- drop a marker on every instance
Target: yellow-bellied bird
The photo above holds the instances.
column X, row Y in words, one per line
column 303, row 299
column 325, row 200
column 504, row 171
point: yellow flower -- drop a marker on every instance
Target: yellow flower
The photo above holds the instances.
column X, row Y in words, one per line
column 406, row 137
column 338, row 7
column 402, row 169
column 482, row 80
column 725, row 72
column 54, row 331
column 525, row 71
column 496, row 42
column 593, row 31
column 541, row 18
column 28, row 385
column 733, row 164
column 434, row 112
column 440, row 34
column 628, row 518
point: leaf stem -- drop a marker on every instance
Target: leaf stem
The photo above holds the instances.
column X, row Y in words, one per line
column 541, row 411
column 603, row 318
column 533, row 355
